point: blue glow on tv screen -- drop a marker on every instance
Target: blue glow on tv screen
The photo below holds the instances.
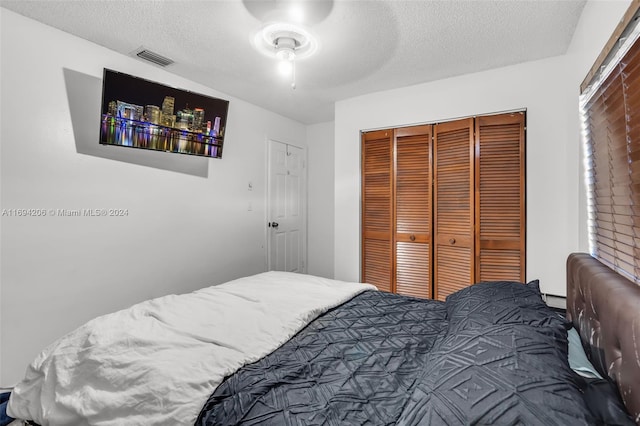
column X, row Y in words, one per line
column 139, row 113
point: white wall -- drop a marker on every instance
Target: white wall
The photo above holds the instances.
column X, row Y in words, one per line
column 320, row 145
column 546, row 88
column 185, row 229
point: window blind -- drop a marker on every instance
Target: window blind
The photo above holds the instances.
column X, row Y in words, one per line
column 611, row 132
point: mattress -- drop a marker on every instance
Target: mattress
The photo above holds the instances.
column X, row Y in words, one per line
column 156, row 362
column 492, row 354
column 282, row 348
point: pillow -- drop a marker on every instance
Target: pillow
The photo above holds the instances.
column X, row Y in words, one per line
column 604, row 402
column 503, row 374
column 535, row 286
column 501, row 302
column 601, row 395
column 578, row 360
column 4, row 418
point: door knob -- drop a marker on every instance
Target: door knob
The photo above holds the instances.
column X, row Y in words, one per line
column 274, row 224
column 412, row 237
column 452, row 240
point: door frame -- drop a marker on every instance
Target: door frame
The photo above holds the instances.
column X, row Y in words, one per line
column 304, row 202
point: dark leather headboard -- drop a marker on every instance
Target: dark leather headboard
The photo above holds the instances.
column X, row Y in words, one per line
column 604, row 307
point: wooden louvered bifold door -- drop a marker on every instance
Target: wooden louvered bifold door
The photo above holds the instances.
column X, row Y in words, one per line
column 377, row 209
column 443, row 206
column 453, row 207
column 500, row 197
column 413, row 211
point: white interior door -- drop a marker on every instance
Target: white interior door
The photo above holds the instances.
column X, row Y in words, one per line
column 287, row 213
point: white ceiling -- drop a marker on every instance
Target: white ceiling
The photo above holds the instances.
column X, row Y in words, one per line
column 365, row 46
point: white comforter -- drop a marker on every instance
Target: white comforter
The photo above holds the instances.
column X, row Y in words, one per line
column 158, row 361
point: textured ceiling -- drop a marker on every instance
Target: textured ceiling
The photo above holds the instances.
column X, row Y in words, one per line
column 365, row 46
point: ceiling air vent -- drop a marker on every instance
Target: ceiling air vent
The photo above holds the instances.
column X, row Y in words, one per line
column 153, row 57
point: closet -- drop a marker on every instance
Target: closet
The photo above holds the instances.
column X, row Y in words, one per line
column 443, row 205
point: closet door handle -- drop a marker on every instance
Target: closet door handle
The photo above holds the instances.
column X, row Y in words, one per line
column 412, row 237
column 452, row 241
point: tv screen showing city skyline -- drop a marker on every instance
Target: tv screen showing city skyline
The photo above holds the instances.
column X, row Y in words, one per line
column 139, row 113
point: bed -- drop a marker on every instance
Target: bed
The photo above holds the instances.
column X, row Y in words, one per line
column 290, row 349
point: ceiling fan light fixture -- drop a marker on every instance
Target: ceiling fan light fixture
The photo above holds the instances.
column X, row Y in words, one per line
column 285, row 68
column 286, row 48
column 287, row 43
column 284, row 37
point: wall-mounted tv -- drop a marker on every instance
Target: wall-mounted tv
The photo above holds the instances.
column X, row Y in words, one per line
column 139, row 113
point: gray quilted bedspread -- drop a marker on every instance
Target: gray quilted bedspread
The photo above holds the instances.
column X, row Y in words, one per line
column 492, row 355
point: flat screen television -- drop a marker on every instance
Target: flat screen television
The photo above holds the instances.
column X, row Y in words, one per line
column 139, row 113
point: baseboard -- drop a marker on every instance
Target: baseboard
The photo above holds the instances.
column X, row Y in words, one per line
column 559, row 302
